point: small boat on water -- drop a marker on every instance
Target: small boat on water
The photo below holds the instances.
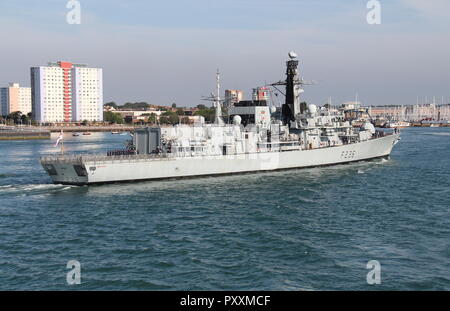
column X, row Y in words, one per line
column 398, row 124
column 87, row 133
column 114, row 132
column 75, row 134
column 431, row 123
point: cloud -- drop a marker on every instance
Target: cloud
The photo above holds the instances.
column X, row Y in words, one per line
column 385, row 64
column 430, row 8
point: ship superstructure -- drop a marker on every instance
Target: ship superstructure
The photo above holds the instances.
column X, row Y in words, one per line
column 257, row 138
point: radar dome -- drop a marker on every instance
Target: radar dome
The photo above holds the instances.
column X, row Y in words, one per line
column 237, row 120
column 312, row 109
column 292, row 55
column 368, row 127
column 273, row 109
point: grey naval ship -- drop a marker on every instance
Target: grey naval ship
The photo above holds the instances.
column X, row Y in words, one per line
column 257, row 137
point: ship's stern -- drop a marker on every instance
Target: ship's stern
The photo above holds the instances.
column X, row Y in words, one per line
column 66, row 173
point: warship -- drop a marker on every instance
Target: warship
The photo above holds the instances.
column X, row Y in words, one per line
column 258, row 137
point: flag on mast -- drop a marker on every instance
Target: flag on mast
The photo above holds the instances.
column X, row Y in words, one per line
column 60, row 137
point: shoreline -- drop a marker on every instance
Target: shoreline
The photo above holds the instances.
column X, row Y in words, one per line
column 57, row 129
column 82, row 129
column 24, row 135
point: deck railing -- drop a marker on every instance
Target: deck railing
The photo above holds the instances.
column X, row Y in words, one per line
column 100, row 158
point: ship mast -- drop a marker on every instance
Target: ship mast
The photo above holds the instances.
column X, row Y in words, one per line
column 291, row 108
column 218, row 117
column 215, row 99
column 292, row 104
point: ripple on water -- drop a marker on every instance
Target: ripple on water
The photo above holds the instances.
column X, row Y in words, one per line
column 309, row 229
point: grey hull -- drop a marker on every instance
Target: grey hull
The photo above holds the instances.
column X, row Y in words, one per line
column 100, row 170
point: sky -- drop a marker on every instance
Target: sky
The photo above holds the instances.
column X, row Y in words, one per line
column 165, row 52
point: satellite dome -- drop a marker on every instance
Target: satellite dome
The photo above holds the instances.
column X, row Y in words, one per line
column 273, row 109
column 292, row 55
column 237, row 120
column 312, row 109
column 367, row 126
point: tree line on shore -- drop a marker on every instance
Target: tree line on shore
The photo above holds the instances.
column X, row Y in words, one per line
column 17, row 117
column 170, row 115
